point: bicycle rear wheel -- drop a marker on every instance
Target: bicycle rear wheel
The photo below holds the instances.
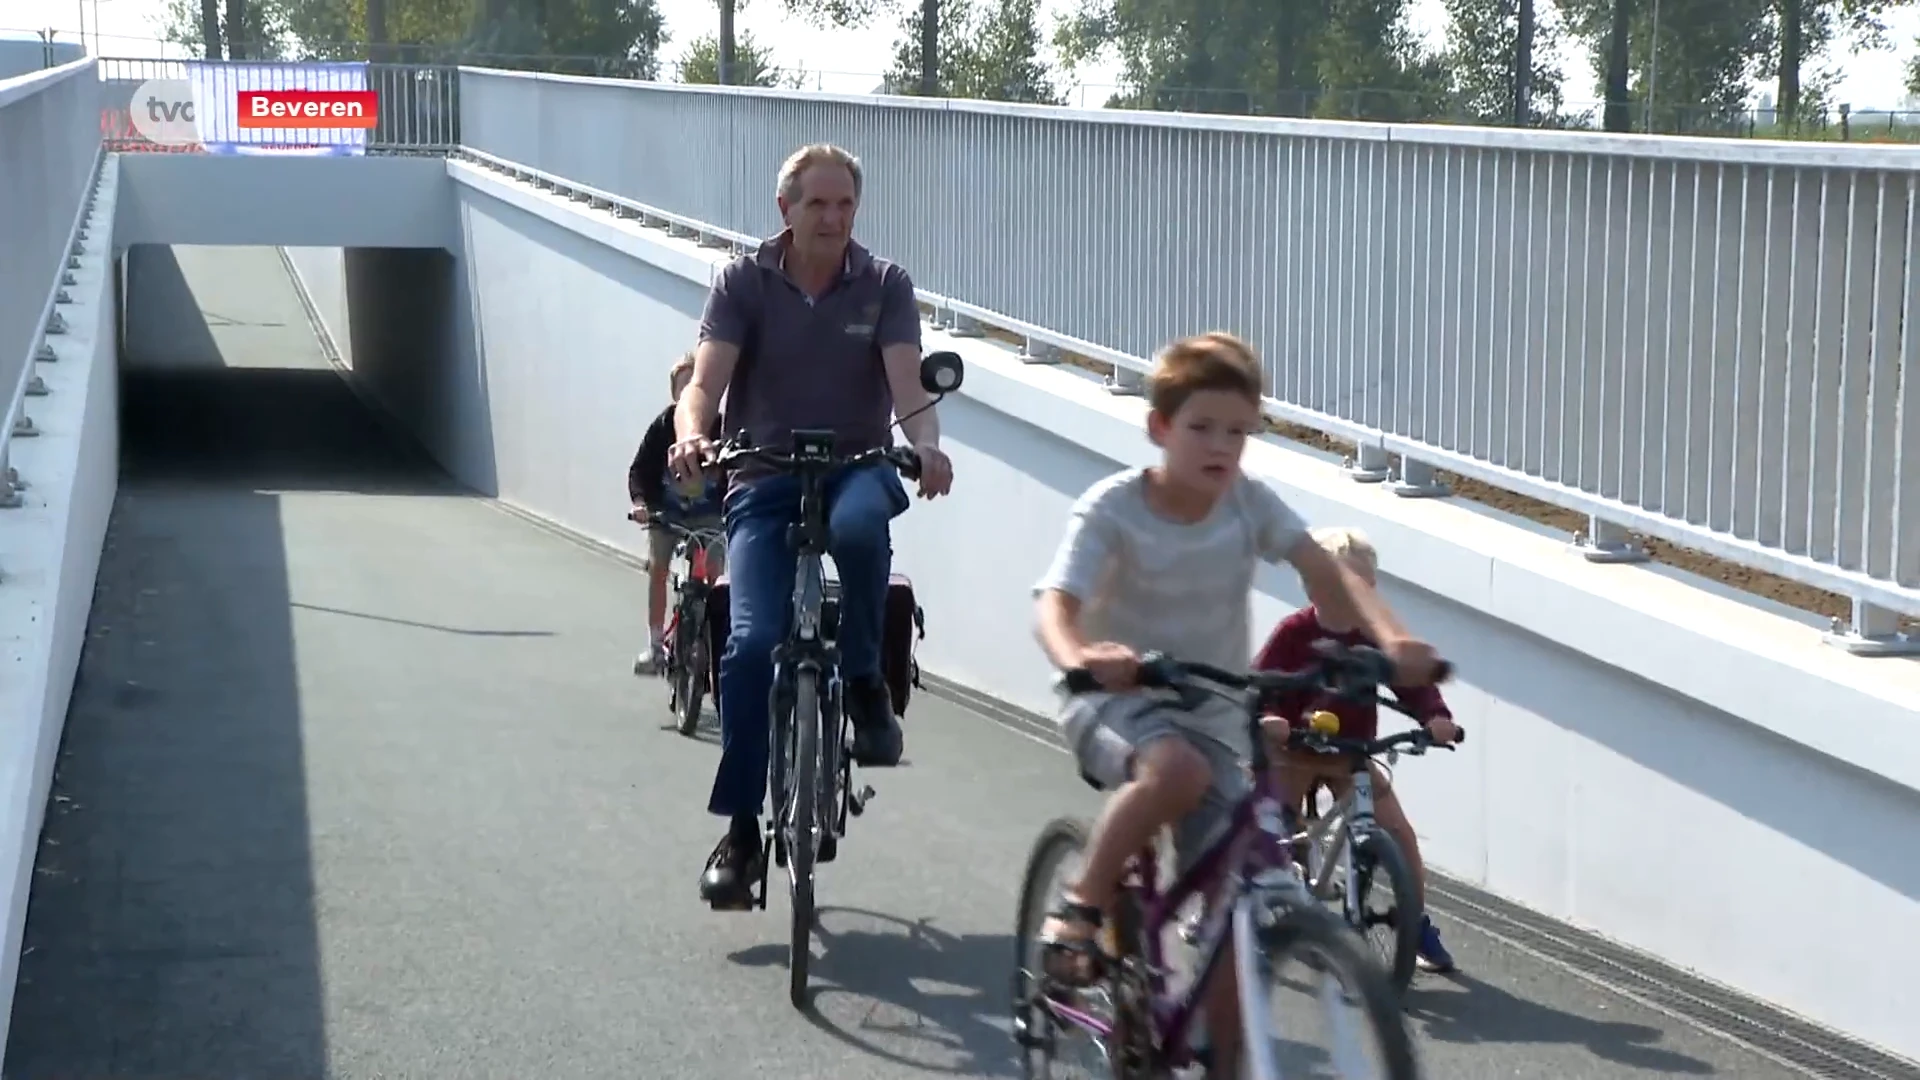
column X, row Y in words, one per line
column 802, row 820
column 1323, row 945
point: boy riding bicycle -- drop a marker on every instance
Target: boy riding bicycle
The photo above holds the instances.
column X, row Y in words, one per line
column 1290, row 647
column 658, row 498
column 1162, row 559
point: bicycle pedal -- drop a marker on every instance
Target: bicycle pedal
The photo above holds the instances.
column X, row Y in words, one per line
column 858, row 803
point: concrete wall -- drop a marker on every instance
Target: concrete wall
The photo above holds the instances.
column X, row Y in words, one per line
column 1671, row 768
column 49, row 553
column 322, row 274
column 290, row 200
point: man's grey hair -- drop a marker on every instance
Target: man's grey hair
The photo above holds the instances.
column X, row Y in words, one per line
column 788, row 185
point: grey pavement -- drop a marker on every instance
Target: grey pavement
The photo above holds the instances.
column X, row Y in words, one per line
column 357, row 784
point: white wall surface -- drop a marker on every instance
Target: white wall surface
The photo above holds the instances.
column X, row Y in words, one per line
column 1673, row 769
column 322, row 273
column 298, row 201
column 49, row 553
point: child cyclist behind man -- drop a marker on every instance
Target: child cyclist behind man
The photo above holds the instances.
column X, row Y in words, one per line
column 1291, row 647
column 656, row 500
column 1162, row 559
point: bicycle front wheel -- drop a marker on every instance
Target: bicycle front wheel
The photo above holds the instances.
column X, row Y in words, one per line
column 690, row 664
column 802, row 824
column 1314, row 1002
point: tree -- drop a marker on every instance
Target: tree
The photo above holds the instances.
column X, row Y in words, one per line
column 1696, row 73
column 1255, row 56
column 1803, row 29
column 991, row 54
column 1482, row 57
column 752, row 65
column 596, row 37
column 265, row 37
column 1913, row 73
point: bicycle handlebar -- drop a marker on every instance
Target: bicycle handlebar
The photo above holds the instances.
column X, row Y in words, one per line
column 1354, row 672
column 731, row 453
column 1418, row 741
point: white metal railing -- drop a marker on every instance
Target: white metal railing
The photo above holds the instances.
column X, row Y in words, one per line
column 418, row 104
column 49, row 156
column 1711, row 342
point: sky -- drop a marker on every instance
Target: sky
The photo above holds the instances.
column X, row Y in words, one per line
column 852, row 61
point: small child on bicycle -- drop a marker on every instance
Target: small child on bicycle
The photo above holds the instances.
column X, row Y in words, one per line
column 1163, row 559
column 1290, row 647
column 657, row 498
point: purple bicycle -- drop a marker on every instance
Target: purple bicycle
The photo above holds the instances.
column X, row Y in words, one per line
column 1136, row 1024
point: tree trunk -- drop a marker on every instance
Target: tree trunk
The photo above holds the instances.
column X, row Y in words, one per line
column 376, row 30
column 1619, row 113
column 210, row 29
column 1792, row 45
column 726, row 43
column 239, row 44
column 929, row 47
column 1523, row 66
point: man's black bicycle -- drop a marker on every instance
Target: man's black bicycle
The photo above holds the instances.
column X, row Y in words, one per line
column 811, row 759
column 686, row 667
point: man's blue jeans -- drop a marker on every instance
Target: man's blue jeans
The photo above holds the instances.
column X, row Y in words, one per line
column 861, row 504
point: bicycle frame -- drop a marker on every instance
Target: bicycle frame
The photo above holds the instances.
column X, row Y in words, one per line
column 1347, row 821
column 1248, row 867
column 805, row 647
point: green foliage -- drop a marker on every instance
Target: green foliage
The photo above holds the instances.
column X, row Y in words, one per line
column 611, row 37
column 1257, row 56
column 990, row 52
column 1483, row 39
column 752, row 65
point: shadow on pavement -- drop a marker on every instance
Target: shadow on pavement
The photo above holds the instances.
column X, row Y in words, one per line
column 1462, row 1009
column 906, row 991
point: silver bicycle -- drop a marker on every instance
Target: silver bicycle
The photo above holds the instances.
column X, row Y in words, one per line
column 1350, row 856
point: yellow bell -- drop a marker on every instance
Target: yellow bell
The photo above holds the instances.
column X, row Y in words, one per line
column 1323, row 722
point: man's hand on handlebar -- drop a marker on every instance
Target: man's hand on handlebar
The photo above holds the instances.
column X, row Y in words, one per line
column 1444, row 730
column 689, row 456
column 638, row 515
column 936, row 471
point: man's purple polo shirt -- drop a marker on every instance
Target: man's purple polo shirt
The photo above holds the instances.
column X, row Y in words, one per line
column 807, row 363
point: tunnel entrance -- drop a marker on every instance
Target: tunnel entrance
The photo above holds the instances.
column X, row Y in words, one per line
column 225, row 380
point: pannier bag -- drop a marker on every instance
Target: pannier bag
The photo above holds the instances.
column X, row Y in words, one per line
column 904, row 626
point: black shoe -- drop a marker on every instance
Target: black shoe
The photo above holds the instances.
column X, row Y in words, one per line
column 733, row 870
column 877, row 740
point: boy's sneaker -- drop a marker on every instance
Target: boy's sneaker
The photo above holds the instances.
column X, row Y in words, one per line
column 648, row 662
column 1433, row 956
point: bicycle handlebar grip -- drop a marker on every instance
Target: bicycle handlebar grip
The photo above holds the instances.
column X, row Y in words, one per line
column 1079, row 681
column 905, row 460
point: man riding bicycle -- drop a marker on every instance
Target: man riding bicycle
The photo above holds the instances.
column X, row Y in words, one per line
column 808, row 331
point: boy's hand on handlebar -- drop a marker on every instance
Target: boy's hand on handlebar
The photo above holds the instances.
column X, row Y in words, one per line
column 638, row 514
column 1114, row 666
column 1415, row 663
column 936, row 471
column 1276, row 730
column 1444, row 730
column 690, row 456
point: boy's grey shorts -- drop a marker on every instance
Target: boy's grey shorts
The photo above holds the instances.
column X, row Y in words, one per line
column 1105, row 731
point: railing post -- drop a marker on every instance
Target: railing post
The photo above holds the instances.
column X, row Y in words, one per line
column 1605, row 542
column 1038, row 352
column 1416, row 481
column 1370, row 465
column 1125, row 382
column 963, row 326
column 1872, row 631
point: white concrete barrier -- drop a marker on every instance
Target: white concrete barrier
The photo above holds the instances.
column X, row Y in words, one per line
column 1674, row 769
column 49, row 553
